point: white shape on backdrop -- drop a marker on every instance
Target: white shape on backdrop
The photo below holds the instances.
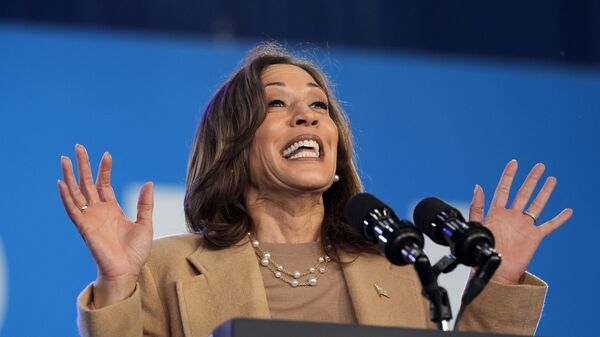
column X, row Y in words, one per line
column 3, row 284
column 169, row 219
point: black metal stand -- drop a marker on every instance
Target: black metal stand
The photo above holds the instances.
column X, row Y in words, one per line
column 489, row 261
column 440, row 310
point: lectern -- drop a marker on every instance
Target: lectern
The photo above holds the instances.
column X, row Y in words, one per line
column 243, row 327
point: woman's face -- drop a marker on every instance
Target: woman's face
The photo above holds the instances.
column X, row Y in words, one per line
column 295, row 148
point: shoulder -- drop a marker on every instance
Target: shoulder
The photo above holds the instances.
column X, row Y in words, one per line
column 185, row 255
column 174, row 246
column 169, row 255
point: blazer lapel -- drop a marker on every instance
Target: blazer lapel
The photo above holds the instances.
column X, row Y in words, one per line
column 229, row 285
column 383, row 294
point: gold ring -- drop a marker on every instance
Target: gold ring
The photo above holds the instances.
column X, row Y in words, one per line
column 531, row 215
column 83, row 208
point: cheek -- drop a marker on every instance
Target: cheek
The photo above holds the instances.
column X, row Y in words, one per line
column 333, row 134
column 263, row 149
column 270, row 129
column 253, row 161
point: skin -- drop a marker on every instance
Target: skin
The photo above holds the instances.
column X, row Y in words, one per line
column 119, row 246
column 284, row 197
column 517, row 236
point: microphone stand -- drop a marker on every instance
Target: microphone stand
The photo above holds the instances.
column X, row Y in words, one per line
column 488, row 260
column 401, row 247
column 439, row 307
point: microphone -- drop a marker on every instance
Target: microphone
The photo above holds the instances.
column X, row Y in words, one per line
column 470, row 242
column 399, row 239
column 402, row 244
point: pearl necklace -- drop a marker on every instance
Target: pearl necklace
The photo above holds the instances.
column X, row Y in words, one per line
column 291, row 278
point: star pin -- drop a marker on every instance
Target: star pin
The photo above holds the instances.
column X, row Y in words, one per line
column 380, row 291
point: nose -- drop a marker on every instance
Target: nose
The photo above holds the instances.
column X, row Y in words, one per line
column 305, row 116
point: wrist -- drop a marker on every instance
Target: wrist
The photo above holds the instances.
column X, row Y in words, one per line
column 107, row 291
column 505, row 280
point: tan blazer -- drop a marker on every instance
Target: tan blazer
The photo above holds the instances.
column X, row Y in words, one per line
column 187, row 290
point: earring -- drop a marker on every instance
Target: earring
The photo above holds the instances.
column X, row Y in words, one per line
column 336, row 178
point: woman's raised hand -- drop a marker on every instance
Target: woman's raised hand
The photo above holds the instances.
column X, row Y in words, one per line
column 119, row 246
column 517, row 236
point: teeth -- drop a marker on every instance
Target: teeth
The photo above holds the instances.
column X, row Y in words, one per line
column 308, row 143
column 305, row 154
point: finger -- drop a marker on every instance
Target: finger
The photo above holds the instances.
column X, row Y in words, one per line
column 86, row 180
column 556, row 222
column 477, row 205
column 69, row 177
column 105, row 190
column 503, row 190
column 528, row 186
column 70, row 207
column 538, row 204
column 145, row 205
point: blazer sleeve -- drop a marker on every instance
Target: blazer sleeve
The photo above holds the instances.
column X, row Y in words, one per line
column 132, row 317
column 510, row 309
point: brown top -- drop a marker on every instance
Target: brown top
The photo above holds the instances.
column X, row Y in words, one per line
column 328, row 301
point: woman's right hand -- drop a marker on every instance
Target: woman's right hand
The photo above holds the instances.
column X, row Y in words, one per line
column 119, row 246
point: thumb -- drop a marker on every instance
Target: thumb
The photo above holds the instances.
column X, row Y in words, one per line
column 477, row 205
column 145, row 204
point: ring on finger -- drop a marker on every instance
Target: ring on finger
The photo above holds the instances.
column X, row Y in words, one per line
column 531, row 215
column 83, row 208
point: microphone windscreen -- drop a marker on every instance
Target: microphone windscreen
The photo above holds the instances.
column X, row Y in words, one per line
column 358, row 208
column 426, row 211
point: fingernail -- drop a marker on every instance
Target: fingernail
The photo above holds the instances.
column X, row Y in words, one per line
column 513, row 160
column 476, row 188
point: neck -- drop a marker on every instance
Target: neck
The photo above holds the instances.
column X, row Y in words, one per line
column 286, row 219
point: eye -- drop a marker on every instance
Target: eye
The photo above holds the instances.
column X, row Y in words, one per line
column 276, row 103
column 320, row 105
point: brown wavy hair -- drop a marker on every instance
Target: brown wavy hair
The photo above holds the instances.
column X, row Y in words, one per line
column 218, row 170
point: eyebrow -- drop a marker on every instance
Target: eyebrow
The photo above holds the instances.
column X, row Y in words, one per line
column 281, row 84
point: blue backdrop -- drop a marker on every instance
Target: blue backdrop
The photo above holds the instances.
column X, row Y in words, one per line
column 423, row 125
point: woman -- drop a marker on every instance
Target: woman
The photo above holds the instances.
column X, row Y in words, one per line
column 269, row 174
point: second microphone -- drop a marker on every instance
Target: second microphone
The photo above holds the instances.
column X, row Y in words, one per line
column 399, row 239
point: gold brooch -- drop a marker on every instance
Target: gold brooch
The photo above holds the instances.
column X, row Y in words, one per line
column 380, row 291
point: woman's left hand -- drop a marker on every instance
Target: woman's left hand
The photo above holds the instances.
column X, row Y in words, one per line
column 517, row 236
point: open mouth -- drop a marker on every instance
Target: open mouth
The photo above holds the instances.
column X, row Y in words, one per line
column 306, row 146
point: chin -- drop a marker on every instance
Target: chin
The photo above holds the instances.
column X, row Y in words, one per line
column 316, row 184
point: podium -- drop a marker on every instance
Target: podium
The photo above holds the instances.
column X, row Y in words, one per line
column 244, row 327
